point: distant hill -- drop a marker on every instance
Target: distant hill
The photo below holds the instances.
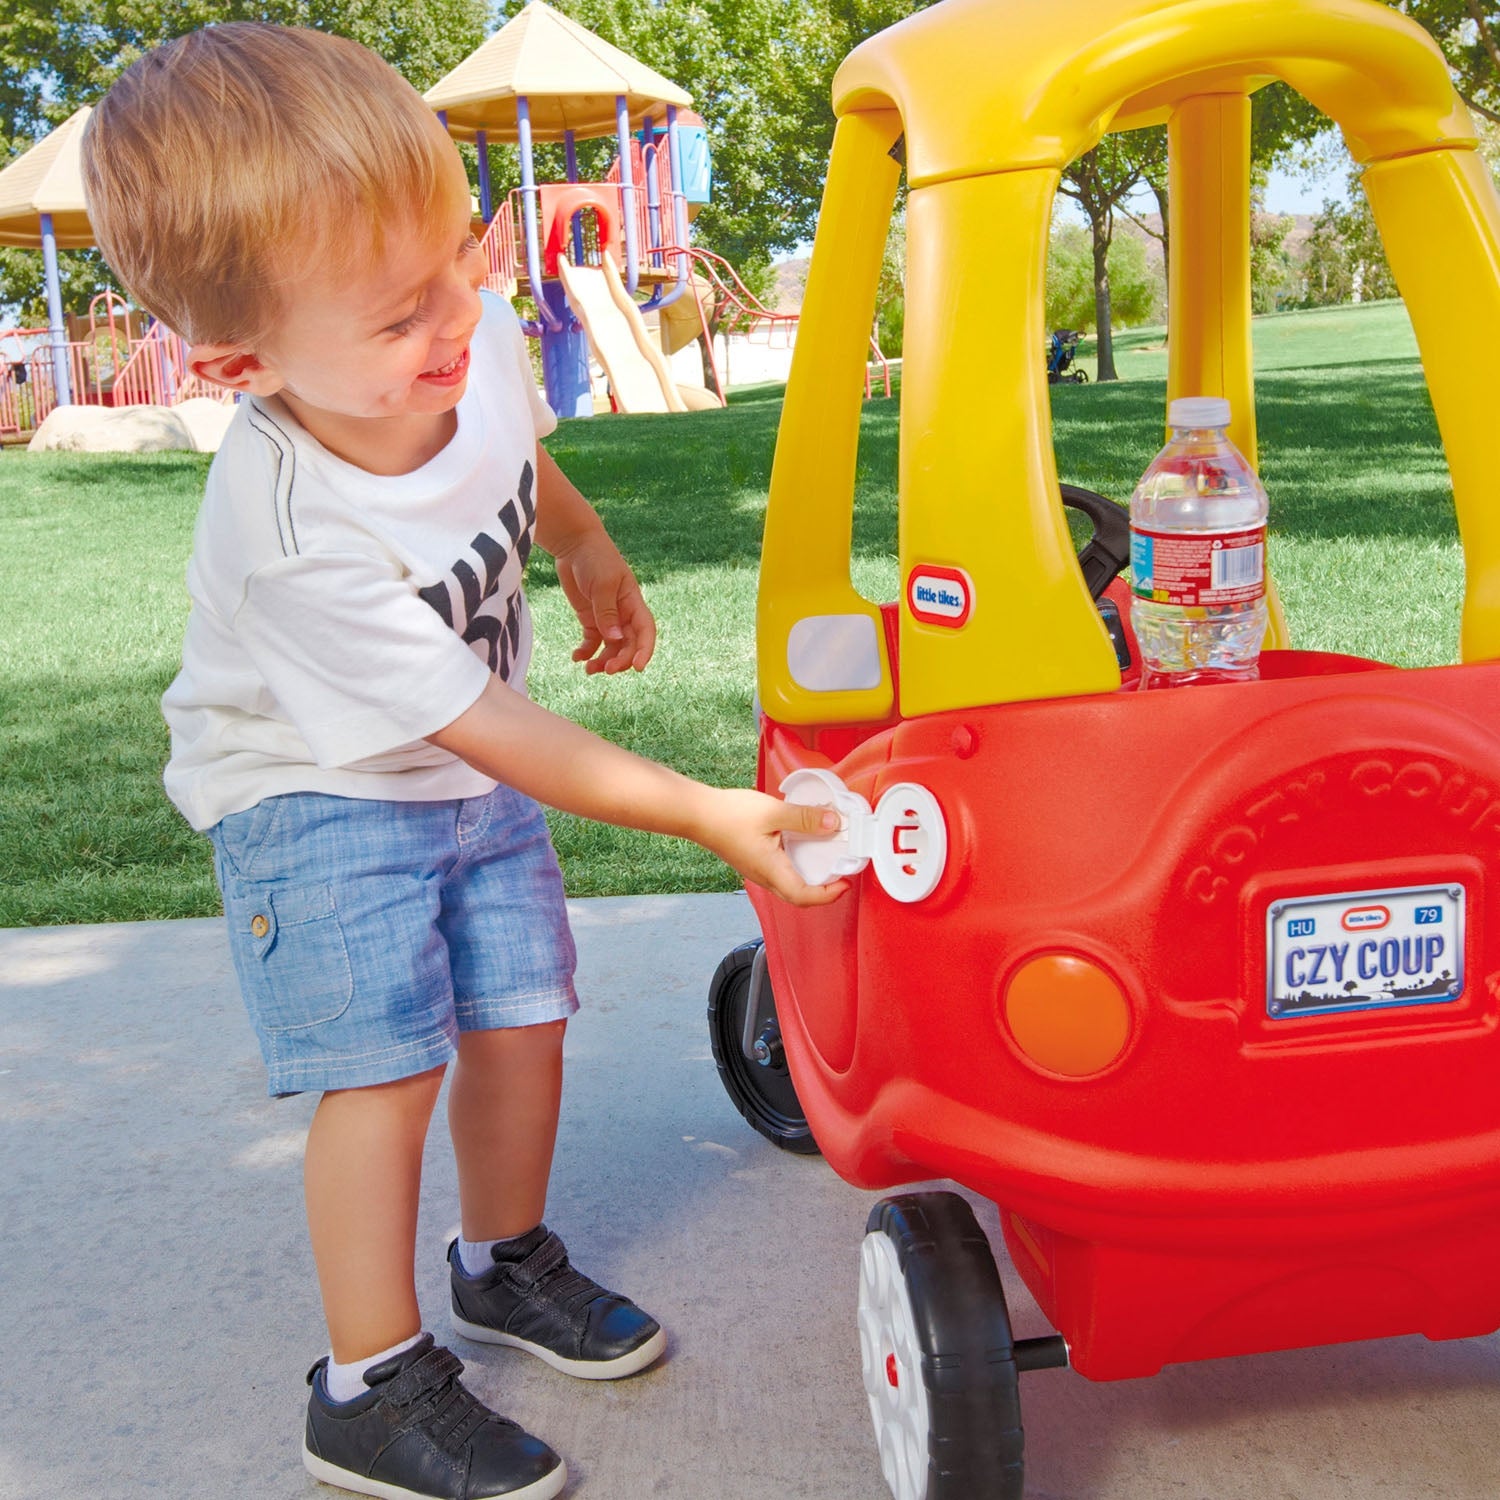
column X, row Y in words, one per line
column 790, row 283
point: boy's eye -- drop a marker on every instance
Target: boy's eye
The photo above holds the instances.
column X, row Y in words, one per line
column 412, row 320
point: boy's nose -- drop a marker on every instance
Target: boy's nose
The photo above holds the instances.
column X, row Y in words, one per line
column 463, row 312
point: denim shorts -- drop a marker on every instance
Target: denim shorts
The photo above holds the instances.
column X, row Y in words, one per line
column 367, row 935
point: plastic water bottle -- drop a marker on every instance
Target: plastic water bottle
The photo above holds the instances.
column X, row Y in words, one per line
column 1198, row 554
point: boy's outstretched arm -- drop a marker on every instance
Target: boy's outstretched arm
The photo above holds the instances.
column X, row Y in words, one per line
column 618, row 630
column 514, row 740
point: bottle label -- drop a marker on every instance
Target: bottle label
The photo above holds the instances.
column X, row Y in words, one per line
column 1198, row 568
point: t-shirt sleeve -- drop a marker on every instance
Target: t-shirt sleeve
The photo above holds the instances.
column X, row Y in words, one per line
column 500, row 316
column 357, row 662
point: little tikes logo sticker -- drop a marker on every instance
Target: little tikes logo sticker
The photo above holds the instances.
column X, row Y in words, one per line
column 1361, row 918
column 940, row 596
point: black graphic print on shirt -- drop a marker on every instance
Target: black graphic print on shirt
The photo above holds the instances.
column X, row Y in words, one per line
column 498, row 626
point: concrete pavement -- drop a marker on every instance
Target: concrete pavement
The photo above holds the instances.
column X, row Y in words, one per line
column 159, row 1307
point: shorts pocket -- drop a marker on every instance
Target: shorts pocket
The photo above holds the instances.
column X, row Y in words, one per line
column 289, row 945
column 241, row 836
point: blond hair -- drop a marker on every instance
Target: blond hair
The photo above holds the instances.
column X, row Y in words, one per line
column 224, row 164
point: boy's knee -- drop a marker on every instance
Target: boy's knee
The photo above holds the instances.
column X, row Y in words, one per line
column 418, row 1093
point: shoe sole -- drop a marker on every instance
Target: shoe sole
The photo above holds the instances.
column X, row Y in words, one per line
column 545, row 1488
column 582, row 1369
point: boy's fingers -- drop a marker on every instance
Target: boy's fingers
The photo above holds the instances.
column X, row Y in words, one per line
column 607, row 617
column 792, row 888
column 798, row 817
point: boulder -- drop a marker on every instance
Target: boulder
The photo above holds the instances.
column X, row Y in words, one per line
column 108, row 429
column 206, row 419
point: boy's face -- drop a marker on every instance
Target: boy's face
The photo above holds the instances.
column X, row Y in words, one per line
column 388, row 339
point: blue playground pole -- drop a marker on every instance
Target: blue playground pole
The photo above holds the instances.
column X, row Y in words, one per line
column 565, row 358
column 59, row 338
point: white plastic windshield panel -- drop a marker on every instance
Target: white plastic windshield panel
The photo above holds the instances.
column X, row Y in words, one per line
column 834, row 653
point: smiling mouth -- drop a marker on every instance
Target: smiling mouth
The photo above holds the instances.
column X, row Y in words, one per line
column 450, row 371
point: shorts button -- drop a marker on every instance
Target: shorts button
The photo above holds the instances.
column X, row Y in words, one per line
column 259, row 926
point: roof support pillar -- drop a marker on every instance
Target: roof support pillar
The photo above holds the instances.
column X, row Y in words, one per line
column 59, row 334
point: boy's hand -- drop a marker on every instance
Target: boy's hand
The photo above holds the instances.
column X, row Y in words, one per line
column 744, row 829
column 619, row 631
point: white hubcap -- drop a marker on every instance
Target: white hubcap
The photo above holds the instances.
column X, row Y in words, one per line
column 892, row 1365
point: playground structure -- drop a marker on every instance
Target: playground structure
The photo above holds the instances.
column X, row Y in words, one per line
column 111, row 362
column 581, row 251
column 543, row 78
column 105, row 358
column 1218, row 1033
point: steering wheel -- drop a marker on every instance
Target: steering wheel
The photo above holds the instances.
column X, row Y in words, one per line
column 1108, row 550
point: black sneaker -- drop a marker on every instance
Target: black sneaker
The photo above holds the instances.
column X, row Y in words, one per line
column 420, row 1435
column 532, row 1299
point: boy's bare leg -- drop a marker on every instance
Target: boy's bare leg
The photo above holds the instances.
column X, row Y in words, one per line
column 502, row 1110
column 502, row 1114
column 363, row 1174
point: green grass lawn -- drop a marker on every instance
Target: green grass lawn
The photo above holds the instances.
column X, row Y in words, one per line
column 92, row 602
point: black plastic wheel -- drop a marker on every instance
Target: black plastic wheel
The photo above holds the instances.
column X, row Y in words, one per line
column 764, row 1094
column 935, row 1344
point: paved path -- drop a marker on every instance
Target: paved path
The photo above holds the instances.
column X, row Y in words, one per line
column 159, row 1310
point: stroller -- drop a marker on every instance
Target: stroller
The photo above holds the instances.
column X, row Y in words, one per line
column 1060, row 352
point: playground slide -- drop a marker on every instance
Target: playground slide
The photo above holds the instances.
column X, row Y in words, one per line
column 638, row 375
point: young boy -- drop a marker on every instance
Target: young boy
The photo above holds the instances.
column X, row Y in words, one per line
column 350, row 725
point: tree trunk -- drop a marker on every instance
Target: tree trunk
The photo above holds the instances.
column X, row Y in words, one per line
column 1103, row 326
column 1163, row 203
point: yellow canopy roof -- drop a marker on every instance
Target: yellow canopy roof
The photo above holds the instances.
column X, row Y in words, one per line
column 48, row 179
column 569, row 77
column 987, row 86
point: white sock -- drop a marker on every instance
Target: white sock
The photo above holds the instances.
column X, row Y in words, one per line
column 478, row 1256
column 345, row 1382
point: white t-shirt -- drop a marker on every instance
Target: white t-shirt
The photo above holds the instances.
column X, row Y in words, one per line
column 339, row 616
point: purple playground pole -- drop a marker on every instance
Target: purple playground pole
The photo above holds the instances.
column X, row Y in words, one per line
column 482, row 145
column 529, row 199
column 679, row 214
column 627, row 191
column 653, row 191
column 570, row 150
column 59, row 336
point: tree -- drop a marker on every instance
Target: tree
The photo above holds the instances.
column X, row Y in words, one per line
column 890, row 298
column 1271, row 271
column 1098, row 182
column 1345, row 260
column 1137, row 293
column 1468, row 31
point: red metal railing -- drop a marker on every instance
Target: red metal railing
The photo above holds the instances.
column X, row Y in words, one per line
column 110, row 367
column 502, row 264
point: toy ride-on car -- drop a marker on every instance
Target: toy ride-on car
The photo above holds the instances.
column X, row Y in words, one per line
column 1224, row 1044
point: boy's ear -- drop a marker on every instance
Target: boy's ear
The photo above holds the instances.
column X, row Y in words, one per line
column 234, row 367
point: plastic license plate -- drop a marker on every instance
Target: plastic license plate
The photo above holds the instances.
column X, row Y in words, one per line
column 1365, row 950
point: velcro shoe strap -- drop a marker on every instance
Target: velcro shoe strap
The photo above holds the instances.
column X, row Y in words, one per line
column 547, row 1256
column 417, row 1379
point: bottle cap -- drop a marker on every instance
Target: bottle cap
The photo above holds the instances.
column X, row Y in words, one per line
column 1198, row 411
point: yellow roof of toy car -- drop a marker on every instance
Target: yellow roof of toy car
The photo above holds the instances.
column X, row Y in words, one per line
column 996, row 85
